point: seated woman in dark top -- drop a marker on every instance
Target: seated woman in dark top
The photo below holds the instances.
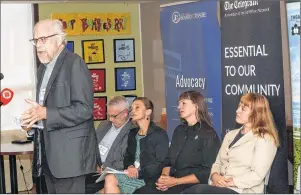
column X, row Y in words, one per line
column 193, row 149
column 247, row 153
column 145, row 154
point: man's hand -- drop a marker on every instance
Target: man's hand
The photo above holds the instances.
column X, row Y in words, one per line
column 33, row 115
column 218, row 180
column 25, row 128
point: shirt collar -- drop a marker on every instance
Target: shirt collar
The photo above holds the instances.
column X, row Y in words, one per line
column 195, row 126
column 118, row 129
column 53, row 61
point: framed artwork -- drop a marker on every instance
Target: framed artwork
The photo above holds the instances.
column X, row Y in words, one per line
column 70, row 46
column 99, row 79
column 125, row 79
column 93, row 51
column 100, row 108
column 130, row 98
column 124, row 50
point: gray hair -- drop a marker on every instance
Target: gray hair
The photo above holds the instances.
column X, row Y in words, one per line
column 119, row 101
column 59, row 29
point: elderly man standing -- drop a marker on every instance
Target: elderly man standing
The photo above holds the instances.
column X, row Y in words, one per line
column 112, row 139
column 66, row 145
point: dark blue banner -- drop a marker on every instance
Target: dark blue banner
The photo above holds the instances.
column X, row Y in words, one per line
column 192, row 57
column 252, row 62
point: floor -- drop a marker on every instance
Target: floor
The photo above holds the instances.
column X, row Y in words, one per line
column 30, row 191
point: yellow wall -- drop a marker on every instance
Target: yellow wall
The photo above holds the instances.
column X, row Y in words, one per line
column 45, row 10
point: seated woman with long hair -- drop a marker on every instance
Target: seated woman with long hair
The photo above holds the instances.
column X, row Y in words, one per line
column 145, row 153
column 193, row 148
column 247, row 153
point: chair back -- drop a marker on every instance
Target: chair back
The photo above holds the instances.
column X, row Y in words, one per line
column 266, row 181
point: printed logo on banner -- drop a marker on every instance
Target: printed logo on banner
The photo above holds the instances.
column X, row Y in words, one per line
column 295, row 19
column 229, row 5
column 296, row 30
column 177, row 17
column 243, row 8
column 194, row 66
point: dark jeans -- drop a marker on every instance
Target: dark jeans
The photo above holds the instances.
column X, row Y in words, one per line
column 40, row 183
column 151, row 189
column 208, row 189
column 91, row 186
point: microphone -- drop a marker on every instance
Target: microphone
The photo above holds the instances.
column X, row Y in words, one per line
column 6, row 96
column 1, row 77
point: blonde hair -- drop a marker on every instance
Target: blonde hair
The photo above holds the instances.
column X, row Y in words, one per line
column 261, row 116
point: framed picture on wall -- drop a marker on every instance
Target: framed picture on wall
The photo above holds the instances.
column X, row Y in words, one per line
column 100, row 108
column 93, row 51
column 99, row 79
column 125, row 79
column 70, row 46
column 124, row 50
column 130, row 98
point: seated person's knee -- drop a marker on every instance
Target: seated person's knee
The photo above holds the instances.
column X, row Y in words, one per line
column 110, row 180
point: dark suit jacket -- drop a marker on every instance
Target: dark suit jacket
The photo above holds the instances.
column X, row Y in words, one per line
column 153, row 150
column 69, row 134
column 117, row 151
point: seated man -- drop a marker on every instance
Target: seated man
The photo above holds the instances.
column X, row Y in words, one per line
column 112, row 139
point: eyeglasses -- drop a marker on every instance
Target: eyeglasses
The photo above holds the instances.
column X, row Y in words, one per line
column 41, row 39
column 116, row 115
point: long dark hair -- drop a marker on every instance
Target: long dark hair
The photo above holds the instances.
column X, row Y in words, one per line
column 198, row 99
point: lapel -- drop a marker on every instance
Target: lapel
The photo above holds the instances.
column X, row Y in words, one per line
column 151, row 128
column 246, row 138
column 120, row 136
column 55, row 71
column 103, row 131
column 40, row 75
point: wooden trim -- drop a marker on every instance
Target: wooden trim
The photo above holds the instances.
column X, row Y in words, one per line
column 35, row 13
column 35, row 20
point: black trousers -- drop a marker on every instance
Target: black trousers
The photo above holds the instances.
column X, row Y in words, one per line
column 40, row 183
column 151, row 189
column 91, row 186
column 208, row 189
column 72, row 185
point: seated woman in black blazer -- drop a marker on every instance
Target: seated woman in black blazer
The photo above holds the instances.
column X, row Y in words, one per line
column 193, row 149
column 145, row 154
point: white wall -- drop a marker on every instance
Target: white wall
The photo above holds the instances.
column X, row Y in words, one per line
column 17, row 59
